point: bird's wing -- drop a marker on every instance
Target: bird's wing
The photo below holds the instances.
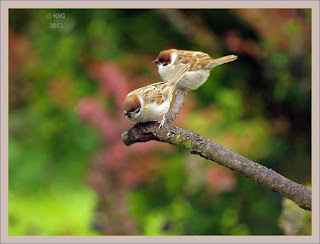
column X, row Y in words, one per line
column 167, row 88
column 153, row 93
column 196, row 60
column 159, row 92
column 179, row 71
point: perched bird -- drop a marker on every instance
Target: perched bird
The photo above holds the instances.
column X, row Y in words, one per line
column 200, row 66
column 153, row 101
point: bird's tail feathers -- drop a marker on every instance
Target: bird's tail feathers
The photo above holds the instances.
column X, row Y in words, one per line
column 222, row 60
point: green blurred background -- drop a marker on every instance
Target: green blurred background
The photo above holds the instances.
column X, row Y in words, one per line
column 70, row 173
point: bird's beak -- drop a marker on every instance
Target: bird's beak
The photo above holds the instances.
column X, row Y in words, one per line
column 156, row 61
column 125, row 112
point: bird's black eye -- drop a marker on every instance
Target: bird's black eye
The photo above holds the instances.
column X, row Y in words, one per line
column 165, row 64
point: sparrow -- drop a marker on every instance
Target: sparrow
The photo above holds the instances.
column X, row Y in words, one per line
column 200, row 66
column 153, row 101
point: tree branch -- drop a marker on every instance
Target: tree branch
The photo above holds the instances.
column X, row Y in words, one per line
column 176, row 106
column 210, row 150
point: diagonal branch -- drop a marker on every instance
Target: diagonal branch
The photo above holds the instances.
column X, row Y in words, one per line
column 176, row 106
column 210, row 150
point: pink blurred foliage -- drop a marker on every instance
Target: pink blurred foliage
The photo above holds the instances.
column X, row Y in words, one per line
column 110, row 79
column 19, row 49
column 21, row 56
column 92, row 112
column 220, row 180
column 285, row 30
column 241, row 45
column 116, row 168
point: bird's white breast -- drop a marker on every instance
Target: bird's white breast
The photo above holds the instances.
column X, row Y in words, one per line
column 165, row 71
column 153, row 111
column 192, row 80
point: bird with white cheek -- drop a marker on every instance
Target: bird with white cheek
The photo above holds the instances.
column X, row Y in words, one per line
column 200, row 66
column 153, row 101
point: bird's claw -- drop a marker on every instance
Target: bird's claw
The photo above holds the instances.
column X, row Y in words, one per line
column 162, row 122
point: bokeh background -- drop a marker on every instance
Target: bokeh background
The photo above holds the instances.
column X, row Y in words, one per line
column 70, row 173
